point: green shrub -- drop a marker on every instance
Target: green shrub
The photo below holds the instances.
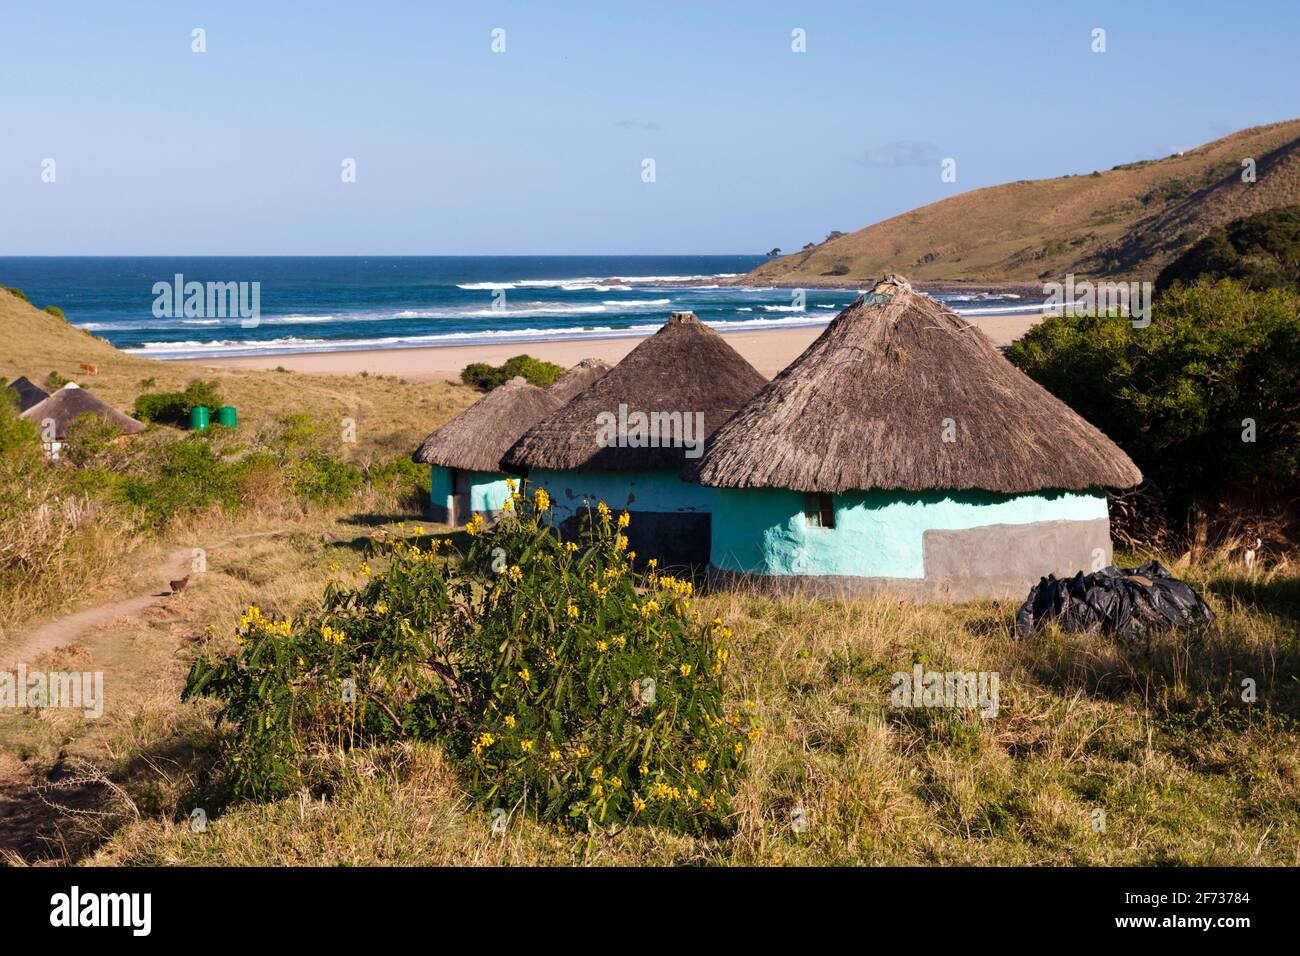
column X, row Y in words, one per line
column 486, row 377
column 1260, row 251
column 181, row 478
column 401, row 481
column 322, row 480
column 558, row 677
column 18, row 292
column 55, row 311
column 54, row 381
column 173, row 408
column 1176, row 395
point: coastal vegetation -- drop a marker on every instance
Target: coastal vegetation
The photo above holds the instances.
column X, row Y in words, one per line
column 1206, row 399
column 1260, row 251
column 485, row 376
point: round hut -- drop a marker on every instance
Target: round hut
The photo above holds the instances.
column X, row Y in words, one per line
column 27, row 393
column 54, row 416
column 901, row 451
column 625, row 439
column 578, row 379
column 465, row 453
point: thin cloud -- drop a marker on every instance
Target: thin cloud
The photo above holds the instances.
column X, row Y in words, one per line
column 902, row 152
column 635, row 124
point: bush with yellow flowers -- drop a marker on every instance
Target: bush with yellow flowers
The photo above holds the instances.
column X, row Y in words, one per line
column 566, row 682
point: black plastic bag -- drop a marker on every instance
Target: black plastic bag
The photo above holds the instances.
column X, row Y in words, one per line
column 1123, row 601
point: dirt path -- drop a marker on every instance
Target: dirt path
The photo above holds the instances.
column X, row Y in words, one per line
column 67, row 629
column 26, row 817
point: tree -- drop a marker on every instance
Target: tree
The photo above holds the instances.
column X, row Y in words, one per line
column 773, row 253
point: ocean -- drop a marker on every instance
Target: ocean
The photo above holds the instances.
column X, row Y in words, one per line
column 322, row 304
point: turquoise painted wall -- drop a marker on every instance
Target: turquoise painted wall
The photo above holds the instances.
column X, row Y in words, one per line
column 487, row 489
column 634, row 490
column 876, row 533
column 440, row 487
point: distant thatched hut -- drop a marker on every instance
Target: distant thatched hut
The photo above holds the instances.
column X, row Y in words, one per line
column 578, row 379
column 54, row 416
column 901, row 450
column 27, row 393
column 465, row 453
column 625, row 439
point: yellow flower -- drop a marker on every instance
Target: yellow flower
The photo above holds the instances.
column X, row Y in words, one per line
column 755, row 733
column 526, row 746
column 637, row 804
column 600, row 646
column 419, row 531
column 685, row 670
column 597, row 773
column 474, row 525
column 381, row 608
column 738, row 749
column 570, row 547
column 555, row 755
column 510, row 720
column 644, row 770
column 573, row 612
column 582, row 751
column 524, row 675
column 364, row 568
column 699, row 765
column 602, row 509
column 541, row 499
column 624, row 520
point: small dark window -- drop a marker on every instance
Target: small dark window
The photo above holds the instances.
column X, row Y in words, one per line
column 819, row 510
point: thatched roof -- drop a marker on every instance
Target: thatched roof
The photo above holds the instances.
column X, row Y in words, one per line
column 685, row 367
column 71, row 402
column 578, row 379
column 28, row 394
column 476, row 439
column 865, row 406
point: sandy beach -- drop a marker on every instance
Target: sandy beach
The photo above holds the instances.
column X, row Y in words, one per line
column 767, row 351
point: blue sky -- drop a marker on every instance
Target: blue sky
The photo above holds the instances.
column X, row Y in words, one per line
column 539, row 149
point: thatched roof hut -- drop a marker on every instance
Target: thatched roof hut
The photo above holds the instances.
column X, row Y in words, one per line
column 578, row 379
column 71, row 402
column 865, row 406
column 28, row 393
column 902, row 452
column 683, row 368
column 476, row 439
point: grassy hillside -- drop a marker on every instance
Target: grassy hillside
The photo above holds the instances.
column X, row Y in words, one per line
column 1130, row 220
column 391, row 415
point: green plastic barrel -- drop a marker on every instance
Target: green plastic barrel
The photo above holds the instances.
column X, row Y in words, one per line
column 199, row 418
column 226, row 415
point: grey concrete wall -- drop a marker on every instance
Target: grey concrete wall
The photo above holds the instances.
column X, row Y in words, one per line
column 995, row 561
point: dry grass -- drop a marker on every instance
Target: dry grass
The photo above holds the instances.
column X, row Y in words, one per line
column 1155, row 736
column 111, row 559
column 1129, row 220
column 389, row 413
